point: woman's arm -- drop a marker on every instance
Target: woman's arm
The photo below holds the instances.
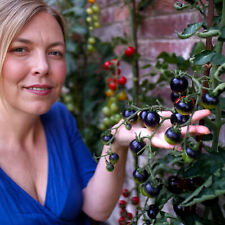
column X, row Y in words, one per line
column 104, row 188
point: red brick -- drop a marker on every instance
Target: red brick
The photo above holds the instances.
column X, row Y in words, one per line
column 121, row 13
column 105, row 33
column 151, row 49
column 165, row 26
column 107, row 3
column 107, row 16
column 161, row 7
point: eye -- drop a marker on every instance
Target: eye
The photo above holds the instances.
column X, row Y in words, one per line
column 56, row 53
column 19, row 50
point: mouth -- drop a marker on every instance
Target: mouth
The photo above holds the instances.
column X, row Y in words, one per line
column 37, row 88
column 40, row 90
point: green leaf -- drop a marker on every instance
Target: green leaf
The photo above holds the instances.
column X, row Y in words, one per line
column 203, row 58
column 208, row 163
column 180, row 6
column 213, row 187
column 190, row 30
column 218, row 59
column 197, row 48
column 222, row 34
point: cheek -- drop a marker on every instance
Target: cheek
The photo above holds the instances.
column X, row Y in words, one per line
column 60, row 72
column 13, row 72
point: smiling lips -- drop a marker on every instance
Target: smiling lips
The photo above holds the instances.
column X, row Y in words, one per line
column 40, row 90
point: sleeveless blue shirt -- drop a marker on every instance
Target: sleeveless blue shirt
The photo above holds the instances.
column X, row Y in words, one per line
column 70, row 167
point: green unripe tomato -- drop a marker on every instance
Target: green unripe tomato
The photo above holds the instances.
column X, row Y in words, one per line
column 106, row 121
column 89, row 11
column 68, row 98
column 89, row 19
column 96, row 25
column 114, row 107
column 90, row 28
column 106, row 110
column 95, row 8
column 90, row 48
column 95, row 17
column 91, row 40
column 70, row 106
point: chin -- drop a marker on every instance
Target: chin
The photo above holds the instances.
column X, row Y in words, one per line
column 38, row 108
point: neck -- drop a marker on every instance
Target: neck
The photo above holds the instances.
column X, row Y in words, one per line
column 18, row 128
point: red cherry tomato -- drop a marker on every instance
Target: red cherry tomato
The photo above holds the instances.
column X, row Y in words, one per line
column 112, row 85
column 122, row 80
column 107, row 65
column 130, row 51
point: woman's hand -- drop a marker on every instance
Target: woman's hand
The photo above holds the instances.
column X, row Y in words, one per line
column 124, row 136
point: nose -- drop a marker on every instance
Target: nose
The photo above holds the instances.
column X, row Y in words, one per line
column 40, row 64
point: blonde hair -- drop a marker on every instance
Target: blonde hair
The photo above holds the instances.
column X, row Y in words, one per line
column 14, row 14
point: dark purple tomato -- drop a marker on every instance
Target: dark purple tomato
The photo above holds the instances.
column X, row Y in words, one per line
column 209, row 102
column 184, row 106
column 176, row 184
column 113, row 158
column 150, row 190
column 172, row 136
column 107, row 138
column 137, row 147
column 180, row 211
column 152, row 211
column 131, row 114
column 193, row 182
column 177, row 118
column 193, row 153
column 151, row 119
column 110, row 167
column 140, row 175
column 178, row 84
column 142, row 115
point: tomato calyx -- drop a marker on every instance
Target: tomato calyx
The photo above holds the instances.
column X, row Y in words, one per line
column 184, row 105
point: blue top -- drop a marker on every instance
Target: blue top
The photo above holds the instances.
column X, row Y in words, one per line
column 70, row 166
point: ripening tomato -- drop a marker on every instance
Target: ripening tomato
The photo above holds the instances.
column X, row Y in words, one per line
column 122, row 96
column 109, row 92
column 91, row 1
column 122, row 80
column 129, row 51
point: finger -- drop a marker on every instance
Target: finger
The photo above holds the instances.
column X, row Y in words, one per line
column 200, row 114
column 196, row 130
column 165, row 113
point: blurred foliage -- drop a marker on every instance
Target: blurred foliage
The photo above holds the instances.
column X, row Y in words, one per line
column 83, row 92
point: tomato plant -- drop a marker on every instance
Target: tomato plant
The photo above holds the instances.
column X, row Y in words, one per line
column 190, row 175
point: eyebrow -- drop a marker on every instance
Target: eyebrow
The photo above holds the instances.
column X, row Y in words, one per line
column 26, row 41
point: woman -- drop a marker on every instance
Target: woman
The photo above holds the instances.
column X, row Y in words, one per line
column 47, row 175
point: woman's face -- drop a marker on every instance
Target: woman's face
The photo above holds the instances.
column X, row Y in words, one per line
column 34, row 69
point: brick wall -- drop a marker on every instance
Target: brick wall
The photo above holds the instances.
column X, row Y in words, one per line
column 157, row 32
